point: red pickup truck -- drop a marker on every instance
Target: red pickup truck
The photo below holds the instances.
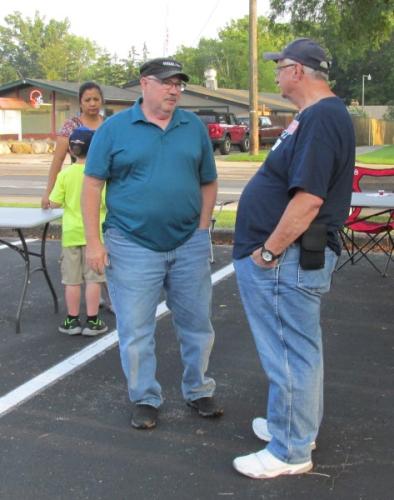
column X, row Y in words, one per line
column 224, row 130
column 268, row 133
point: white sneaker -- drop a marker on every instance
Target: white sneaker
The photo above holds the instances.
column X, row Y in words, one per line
column 263, row 465
column 260, row 428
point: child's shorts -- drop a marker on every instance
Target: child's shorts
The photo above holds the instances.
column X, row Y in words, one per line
column 74, row 269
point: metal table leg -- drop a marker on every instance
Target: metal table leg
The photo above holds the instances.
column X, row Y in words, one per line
column 25, row 253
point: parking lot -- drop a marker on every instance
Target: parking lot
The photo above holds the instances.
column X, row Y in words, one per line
column 71, row 439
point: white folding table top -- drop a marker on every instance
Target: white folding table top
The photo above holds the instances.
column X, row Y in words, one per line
column 20, row 218
column 373, row 200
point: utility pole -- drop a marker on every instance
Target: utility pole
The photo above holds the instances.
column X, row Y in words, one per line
column 253, row 83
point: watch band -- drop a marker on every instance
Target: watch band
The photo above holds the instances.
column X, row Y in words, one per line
column 267, row 253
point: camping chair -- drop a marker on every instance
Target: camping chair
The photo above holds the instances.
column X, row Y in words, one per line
column 358, row 222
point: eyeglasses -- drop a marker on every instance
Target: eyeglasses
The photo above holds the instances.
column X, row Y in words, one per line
column 167, row 84
column 278, row 68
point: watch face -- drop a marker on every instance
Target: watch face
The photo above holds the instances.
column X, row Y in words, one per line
column 267, row 256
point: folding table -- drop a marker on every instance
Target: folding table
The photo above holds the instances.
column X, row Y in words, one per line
column 20, row 220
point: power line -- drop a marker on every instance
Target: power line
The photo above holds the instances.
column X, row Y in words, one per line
column 207, row 21
column 167, row 33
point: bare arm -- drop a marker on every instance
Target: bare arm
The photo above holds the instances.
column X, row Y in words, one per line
column 208, row 193
column 96, row 254
column 52, row 204
column 300, row 212
column 56, row 165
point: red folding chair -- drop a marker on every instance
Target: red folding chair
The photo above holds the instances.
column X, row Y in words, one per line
column 378, row 234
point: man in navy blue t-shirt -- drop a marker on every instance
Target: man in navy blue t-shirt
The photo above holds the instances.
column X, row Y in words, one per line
column 285, row 250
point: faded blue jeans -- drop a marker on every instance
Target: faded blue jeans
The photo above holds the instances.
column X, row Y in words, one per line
column 282, row 305
column 136, row 277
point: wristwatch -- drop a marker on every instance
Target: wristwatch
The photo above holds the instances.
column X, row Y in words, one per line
column 268, row 256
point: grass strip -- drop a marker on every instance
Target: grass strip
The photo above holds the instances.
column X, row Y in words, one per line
column 382, row 156
column 260, row 157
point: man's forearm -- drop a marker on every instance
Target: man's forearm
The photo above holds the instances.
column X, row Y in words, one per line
column 208, row 195
column 299, row 214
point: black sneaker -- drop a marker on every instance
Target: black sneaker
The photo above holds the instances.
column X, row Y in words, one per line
column 71, row 326
column 144, row 417
column 206, row 407
column 94, row 327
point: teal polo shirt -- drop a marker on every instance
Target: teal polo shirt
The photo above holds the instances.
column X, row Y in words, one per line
column 153, row 176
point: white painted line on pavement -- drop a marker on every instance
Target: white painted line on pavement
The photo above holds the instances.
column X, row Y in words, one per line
column 37, row 384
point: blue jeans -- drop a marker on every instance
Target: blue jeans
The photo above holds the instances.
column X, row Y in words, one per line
column 136, row 277
column 282, row 305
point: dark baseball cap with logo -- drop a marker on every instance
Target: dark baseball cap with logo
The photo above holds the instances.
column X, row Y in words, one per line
column 79, row 141
column 163, row 68
column 305, row 51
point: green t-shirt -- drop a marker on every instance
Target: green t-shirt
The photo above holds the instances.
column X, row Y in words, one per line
column 67, row 193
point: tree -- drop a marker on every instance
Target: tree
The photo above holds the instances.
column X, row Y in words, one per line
column 359, row 36
column 131, row 65
column 36, row 49
column 20, row 45
column 350, row 28
column 229, row 54
column 380, row 64
column 81, row 52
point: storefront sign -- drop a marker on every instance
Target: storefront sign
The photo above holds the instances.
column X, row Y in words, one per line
column 36, row 98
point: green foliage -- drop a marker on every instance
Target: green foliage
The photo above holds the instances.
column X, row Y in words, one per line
column 349, row 27
column 229, row 54
column 358, row 34
column 380, row 64
column 34, row 48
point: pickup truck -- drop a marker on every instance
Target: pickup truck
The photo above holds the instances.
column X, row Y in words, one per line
column 225, row 130
column 268, row 133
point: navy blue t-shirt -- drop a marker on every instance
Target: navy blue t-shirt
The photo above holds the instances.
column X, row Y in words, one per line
column 315, row 154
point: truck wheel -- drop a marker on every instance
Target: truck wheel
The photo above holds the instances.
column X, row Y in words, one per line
column 245, row 144
column 225, row 146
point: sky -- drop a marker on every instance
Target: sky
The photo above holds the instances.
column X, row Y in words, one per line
column 117, row 25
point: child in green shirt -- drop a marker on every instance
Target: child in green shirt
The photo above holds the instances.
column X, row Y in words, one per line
column 67, row 194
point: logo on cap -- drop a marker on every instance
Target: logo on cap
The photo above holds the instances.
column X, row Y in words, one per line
column 171, row 63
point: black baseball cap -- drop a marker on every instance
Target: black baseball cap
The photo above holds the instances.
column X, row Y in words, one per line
column 79, row 141
column 163, row 68
column 306, row 52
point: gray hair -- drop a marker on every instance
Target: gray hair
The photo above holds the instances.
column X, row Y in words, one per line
column 317, row 75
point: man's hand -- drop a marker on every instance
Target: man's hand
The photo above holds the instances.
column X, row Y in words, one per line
column 256, row 256
column 97, row 257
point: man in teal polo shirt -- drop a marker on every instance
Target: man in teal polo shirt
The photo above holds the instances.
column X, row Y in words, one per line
column 158, row 166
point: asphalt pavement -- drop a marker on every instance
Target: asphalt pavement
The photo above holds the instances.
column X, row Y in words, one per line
column 72, row 440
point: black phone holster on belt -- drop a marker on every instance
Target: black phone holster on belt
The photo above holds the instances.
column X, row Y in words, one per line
column 313, row 243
